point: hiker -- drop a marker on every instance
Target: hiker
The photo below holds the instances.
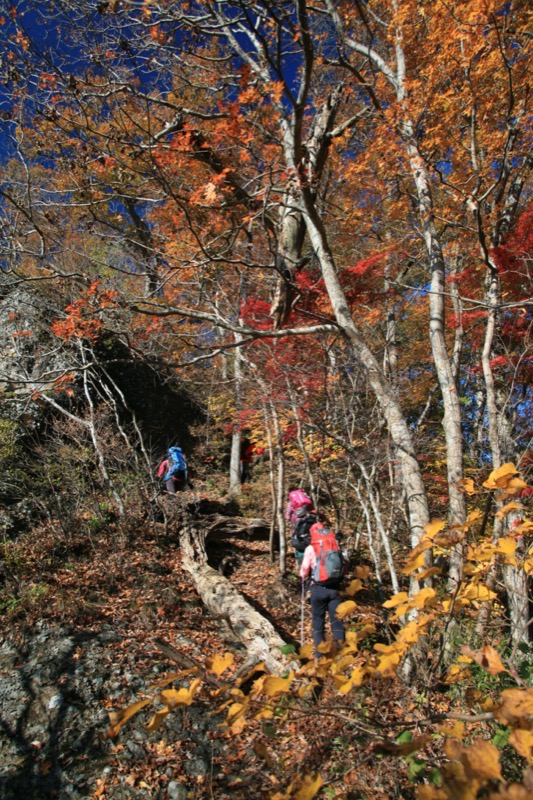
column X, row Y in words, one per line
column 246, row 460
column 324, row 563
column 173, row 470
column 297, row 499
column 301, row 536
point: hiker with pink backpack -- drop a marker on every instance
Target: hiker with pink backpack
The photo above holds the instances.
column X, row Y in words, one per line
column 300, row 515
column 297, row 499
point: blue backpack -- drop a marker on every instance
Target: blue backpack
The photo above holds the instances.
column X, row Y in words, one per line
column 177, row 464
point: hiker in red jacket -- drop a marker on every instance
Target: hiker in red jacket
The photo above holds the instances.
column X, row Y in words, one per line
column 174, row 474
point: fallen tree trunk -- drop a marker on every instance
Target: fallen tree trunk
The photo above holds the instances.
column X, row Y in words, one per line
column 256, row 633
column 236, row 527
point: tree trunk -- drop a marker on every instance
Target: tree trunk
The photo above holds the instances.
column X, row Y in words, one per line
column 390, row 406
column 257, row 634
column 236, row 436
column 443, row 364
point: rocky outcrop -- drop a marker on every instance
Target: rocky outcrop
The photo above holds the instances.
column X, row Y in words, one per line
column 53, row 722
column 143, row 405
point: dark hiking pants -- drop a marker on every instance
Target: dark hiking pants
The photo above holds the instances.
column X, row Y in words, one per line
column 325, row 600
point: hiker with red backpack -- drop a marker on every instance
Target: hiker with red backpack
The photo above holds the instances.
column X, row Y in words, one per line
column 324, row 563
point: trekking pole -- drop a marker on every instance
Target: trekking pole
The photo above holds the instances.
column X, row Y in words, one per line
column 302, row 615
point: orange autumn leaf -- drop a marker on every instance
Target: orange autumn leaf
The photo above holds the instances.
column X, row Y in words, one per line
column 480, row 760
column 302, row 788
column 487, row 657
column 515, row 704
column 522, row 741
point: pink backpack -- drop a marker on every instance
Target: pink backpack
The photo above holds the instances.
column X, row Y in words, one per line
column 299, row 498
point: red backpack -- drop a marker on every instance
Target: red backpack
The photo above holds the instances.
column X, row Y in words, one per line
column 330, row 566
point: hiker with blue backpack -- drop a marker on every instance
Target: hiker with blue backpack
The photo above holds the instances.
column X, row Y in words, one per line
column 324, row 563
column 173, row 470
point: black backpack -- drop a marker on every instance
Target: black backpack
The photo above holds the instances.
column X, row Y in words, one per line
column 301, row 537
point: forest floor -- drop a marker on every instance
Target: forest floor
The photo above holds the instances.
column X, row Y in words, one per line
column 124, row 591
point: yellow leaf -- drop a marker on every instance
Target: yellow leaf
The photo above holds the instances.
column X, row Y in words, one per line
column 302, row 788
column 342, row 610
column 366, row 630
column 157, row 719
column 264, row 713
column 306, row 688
column 526, row 526
column 220, row 663
column 512, row 488
column 235, row 711
column 356, row 679
column 512, row 506
column 118, row 718
column 362, row 572
column 388, row 664
column 353, row 588
column 501, row 476
column 263, row 751
column 468, row 486
column 174, row 676
column 259, row 667
column 413, row 563
column 506, row 546
column 512, row 791
column 411, row 632
column 522, row 741
column 273, row 685
column 423, row 597
column 433, row 527
column 306, row 651
column 180, row 697
column 457, row 673
column 428, row 792
column 428, row 573
column 455, row 729
column 401, row 597
column 477, row 592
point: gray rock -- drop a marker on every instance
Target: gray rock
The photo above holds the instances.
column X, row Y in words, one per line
column 176, row 791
